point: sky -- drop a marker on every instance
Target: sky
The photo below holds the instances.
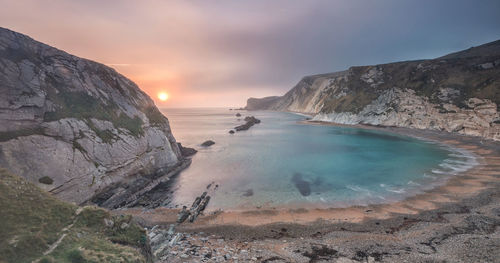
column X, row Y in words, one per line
column 219, row 53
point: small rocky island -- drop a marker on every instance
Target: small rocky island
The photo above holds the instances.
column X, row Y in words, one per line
column 250, row 121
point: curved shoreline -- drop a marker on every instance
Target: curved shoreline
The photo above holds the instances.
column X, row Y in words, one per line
column 462, row 185
column 456, row 222
column 457, row 187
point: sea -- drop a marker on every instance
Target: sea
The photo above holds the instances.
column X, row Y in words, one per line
column 283, row 162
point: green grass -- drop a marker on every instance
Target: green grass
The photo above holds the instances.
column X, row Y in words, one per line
column 91, row 240
column 82, row 106
column 31, row 220
column 5, row 136
column 155, row 117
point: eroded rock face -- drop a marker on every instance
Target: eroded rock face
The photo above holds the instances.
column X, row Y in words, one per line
column 403, row 108
column 457, row 93
column 77, row 121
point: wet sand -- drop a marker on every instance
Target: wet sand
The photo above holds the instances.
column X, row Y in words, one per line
column 461, row 216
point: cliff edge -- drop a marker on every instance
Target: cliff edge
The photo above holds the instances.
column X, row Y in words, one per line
column 84, row 128
column 458, row 93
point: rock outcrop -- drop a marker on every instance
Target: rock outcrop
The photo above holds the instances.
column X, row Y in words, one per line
column 250, row 121
column 186, row 151
column 92, row 131
column 459, row 93
column 208, row 143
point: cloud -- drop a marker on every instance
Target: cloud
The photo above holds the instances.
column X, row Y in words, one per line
column 217, row 53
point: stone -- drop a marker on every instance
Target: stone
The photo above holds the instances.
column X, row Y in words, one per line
column 171, row 229
column 487, row 65
column 208, row 143
column 174, row 240
column 186, row 151
column 109, row 222
column 183, row 215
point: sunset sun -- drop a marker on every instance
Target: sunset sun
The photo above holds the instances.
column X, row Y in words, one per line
column 163, row 96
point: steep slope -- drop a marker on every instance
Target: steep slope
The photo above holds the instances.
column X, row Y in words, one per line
column 261, row 103
column 83, row 127
column 34, row 223
column 459, row 93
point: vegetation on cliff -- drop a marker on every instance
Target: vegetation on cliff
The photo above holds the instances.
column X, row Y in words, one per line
column 34, row 223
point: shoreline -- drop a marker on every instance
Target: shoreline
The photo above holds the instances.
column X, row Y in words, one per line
column 456, row 187
column 458, row 221
column 462, row 185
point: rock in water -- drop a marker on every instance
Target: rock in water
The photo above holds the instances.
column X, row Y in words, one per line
column 302, row 185
column 186, row 151
column 250, row 121
column 248, row 193
column 238, row 114
column 97, row 125
column 231, row 132
column 183, row 215
column 208, row 143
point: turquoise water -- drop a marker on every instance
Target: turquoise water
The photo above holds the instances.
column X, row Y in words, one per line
column 281, row 162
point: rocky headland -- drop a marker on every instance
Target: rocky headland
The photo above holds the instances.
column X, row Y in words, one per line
column 88, row 131
column 457, row 93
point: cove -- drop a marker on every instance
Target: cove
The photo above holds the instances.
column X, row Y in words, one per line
column 284, row 163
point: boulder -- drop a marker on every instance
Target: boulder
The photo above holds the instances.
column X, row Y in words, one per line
column 208, row 143
column 186, row 151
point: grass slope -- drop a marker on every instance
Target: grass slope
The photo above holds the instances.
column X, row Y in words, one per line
column 31, row 220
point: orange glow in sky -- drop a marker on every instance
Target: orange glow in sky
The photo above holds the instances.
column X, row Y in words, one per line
column 220, row 53
column 168, row 44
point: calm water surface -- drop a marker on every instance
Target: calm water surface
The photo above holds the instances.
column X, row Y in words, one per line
column 281, row 162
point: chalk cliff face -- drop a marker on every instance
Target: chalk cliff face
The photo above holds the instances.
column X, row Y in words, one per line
column 78, row 128
column 457, row 93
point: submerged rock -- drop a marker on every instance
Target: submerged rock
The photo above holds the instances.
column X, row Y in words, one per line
column 208, row 143
column 248, row 193
column 238, row 114
column 302, row 185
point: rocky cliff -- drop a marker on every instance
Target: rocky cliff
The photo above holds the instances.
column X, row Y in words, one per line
column 85, row 129
column 459, row 93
